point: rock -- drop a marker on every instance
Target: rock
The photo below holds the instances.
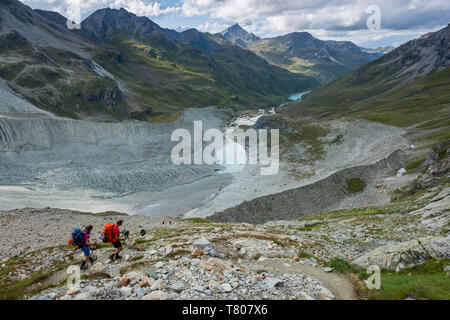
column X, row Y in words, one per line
column 226, row 287
column 327, row 269
column 140, row 292
column 136, row 277
column 262, row 258
column 156, row 295
column 178, row 286
column 202, row 289
column 202, row 244
column 214, row 286
column 325, row 294
column 197, row 252
column 125, row 291
column 150, row 281
column 273, row 282
column 97, row 267
column 152, row 274
column 447, row 268
column 156, row 285
column 159, row 264
column 73, row 291
column 83, row 296
column 409, row 253
column 123, row 283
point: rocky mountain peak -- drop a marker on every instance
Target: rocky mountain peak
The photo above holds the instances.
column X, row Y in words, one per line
column 106, row 23
column 236, row 32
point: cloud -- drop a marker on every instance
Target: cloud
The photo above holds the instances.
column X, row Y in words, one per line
column 140, row 8
column 336, row 18
column 291, row 15
column 213, row 27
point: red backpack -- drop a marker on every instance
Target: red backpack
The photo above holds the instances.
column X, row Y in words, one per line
column 108, row 232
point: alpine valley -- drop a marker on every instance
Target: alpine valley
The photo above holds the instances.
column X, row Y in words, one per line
column 87, row 117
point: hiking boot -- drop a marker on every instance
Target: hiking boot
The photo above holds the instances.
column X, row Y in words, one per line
column 92, row 259
column 118, row 257
column 84, row 266
column 111, row 257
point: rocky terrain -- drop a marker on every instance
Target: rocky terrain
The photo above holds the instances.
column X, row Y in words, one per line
column 198, row 259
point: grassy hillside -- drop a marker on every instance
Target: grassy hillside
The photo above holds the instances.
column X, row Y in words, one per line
column 421, row 100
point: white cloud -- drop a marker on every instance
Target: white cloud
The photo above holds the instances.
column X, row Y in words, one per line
column 140, row 8
column 214, row 27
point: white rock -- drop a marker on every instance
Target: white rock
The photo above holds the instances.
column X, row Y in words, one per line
column 226, row 287
column 156, row 285
column 156, row 295
column 125, row 291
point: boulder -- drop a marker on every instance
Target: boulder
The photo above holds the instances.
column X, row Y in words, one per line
column 203, row 244
column 409, row 253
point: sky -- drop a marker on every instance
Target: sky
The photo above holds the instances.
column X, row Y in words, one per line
column 368, row 23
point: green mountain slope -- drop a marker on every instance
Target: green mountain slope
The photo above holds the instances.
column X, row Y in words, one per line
column 119, row 65
column 409, row 85
column 301, row 53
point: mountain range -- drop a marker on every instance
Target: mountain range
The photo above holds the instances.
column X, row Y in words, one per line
column 119, row 65
column 300, row 52
column 409, row 85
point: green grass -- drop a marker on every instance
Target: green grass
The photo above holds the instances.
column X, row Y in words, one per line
column 414, row 164
column 197, row 220
column 424, row 281
column 355, row 185
column 366, row 93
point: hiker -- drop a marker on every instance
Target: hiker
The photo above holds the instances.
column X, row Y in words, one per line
column 116, row 240
column 86, row 247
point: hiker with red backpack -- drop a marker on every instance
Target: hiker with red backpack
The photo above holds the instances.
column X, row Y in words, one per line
column 80, row 240
column 111, row 234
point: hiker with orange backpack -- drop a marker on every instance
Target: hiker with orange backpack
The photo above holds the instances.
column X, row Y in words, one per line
column 111, row 234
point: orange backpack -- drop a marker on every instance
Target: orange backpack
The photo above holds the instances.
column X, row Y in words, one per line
column 108, row 232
